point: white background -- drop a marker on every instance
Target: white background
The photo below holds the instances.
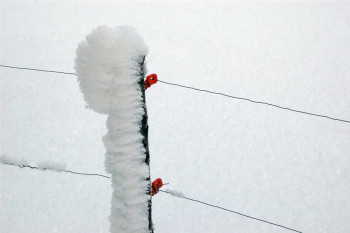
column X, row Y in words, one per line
column 280, row 166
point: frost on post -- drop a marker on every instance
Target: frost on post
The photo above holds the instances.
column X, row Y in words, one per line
column 110, row 68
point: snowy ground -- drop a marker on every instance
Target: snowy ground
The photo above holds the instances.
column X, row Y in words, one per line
column 281, row 166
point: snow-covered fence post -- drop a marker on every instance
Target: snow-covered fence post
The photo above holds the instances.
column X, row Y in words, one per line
column 110, row 67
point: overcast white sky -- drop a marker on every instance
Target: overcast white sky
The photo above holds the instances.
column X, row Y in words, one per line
column 281, row 166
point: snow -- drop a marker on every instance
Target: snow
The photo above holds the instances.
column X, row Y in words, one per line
column 175, row 193
column 52, row 165
column 268, row 163
column 12, row 160
column 105, row 55
column 42, row 165
column 108, row 69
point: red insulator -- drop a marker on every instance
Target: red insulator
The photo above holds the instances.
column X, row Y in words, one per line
column 156, row 185
column 150, row 80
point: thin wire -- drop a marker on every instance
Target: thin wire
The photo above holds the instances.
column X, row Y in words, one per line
column 67, row 171
column 211, row 92
column 48, row 71
column 256, row 102
column 244, row 215
column 190, row 199
column 86, row 174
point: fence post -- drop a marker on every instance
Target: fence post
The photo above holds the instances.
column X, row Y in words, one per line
column 110, row 66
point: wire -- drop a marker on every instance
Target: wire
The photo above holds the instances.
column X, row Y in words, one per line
column 244, row 215
column 190, row 199
column 86, row 174
column 67, row 171
column 256, row 102
column 211, row 92
column 48, row 71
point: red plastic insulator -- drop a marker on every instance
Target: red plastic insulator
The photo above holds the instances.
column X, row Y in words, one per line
column 150, row 80
column 156, row 185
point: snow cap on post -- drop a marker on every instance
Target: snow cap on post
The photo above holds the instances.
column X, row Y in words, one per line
column 100, row 60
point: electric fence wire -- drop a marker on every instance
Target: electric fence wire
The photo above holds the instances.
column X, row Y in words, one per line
column 256, row 102
column 32, row 69
column 202, row 90
column 244, row 215
column 44, row 169
column 190, row 199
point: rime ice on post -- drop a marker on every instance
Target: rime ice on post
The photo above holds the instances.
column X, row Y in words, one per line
column 110, row 68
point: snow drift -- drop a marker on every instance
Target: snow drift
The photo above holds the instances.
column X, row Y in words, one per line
column 110, row 71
